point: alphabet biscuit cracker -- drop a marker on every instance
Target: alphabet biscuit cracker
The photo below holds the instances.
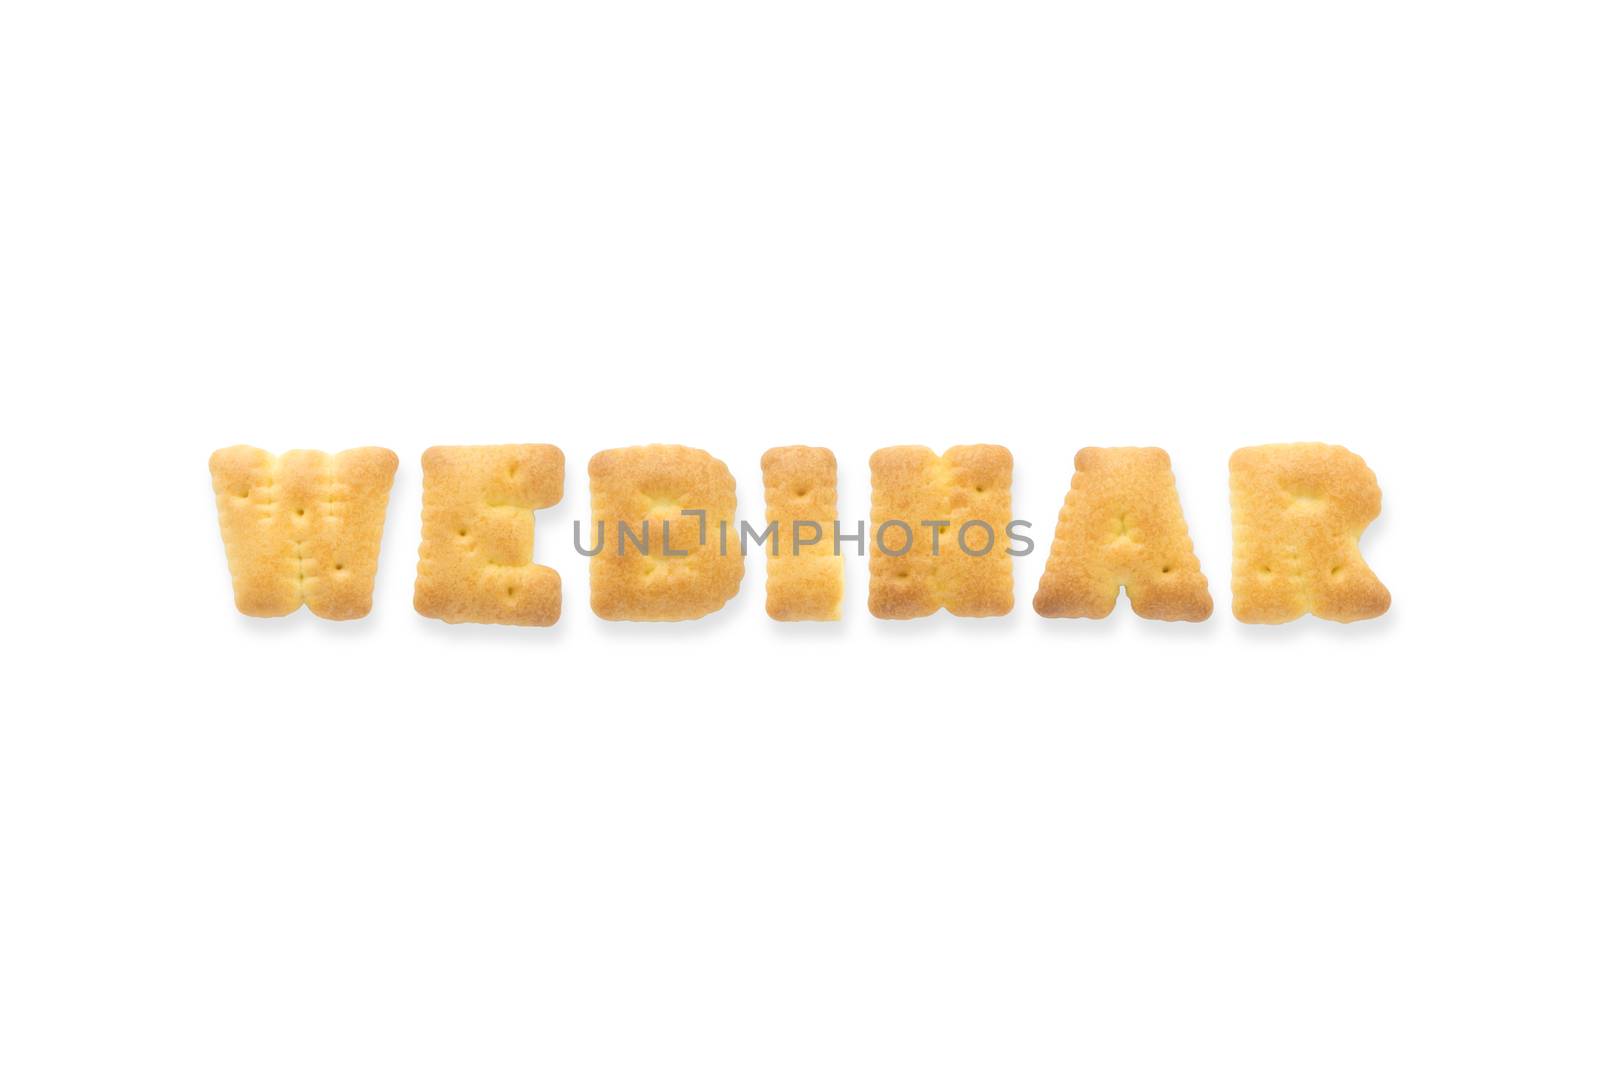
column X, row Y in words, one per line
column 303, row 527
column 968, row 490
column 1121, row 526
column 1298, row 514
column 475, row 563
column 805, row 582
column 657, row 563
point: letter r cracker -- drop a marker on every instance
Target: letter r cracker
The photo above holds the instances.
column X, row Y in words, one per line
column 475, row 563
column 303, row 527
column 967, row 489
column 1121, row 526
column 1298, row 514
column 805, row 582
column 673, row 565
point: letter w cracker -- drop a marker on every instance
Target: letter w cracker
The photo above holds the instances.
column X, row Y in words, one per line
column 303, row 527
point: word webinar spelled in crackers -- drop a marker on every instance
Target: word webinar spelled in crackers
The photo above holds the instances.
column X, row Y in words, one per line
column 664, row 544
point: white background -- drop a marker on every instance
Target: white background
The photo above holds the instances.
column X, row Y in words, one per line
column 1009, row 842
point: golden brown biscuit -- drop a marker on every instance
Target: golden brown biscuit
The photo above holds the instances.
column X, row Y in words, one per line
column 1298, row 513
column 303, row 527
column 1121, row 525
column 657, row 563
column 475, row 563
column 968, row 489
column 805, row 582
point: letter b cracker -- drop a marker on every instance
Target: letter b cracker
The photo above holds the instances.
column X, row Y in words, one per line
column 679, row 503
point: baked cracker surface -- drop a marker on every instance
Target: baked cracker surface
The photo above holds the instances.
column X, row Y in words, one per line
column 475, row 562
column 649, row 488
column 1121, row 526
column 1298, row 514
column 804, row 582
column 303, row 527
column 913, row 485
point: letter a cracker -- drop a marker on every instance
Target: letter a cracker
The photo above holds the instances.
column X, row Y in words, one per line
column 1121, row 526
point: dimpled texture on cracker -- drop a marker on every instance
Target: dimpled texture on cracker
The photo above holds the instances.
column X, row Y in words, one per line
column 648, row 488
column 475, row 563
column 1298, row 514
column 1121, row 526
column 805, row 583
column 303, row 527
column 913, row 485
